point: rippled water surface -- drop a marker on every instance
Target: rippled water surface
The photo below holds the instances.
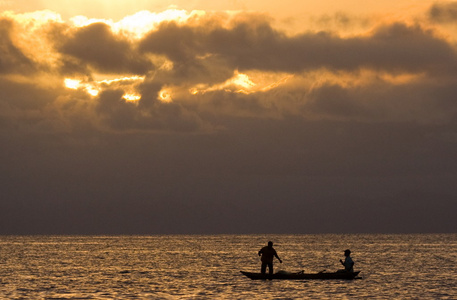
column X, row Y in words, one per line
column 207, row 267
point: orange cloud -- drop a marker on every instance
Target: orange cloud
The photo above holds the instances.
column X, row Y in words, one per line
column 183, row 63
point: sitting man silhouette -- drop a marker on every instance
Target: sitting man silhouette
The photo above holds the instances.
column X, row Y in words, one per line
column 348, row 263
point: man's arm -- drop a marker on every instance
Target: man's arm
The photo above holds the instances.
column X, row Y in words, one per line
column 276, row 254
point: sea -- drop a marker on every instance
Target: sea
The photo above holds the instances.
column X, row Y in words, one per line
column 393, row 266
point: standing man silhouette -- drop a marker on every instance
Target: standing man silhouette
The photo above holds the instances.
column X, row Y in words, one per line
column 267, row 253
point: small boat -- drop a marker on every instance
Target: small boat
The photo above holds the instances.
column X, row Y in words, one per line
column 302, row 275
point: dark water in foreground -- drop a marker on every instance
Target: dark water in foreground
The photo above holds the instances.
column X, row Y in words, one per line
column 207, row 267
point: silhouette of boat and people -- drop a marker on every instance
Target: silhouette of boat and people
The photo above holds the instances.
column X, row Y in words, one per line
column 268, row 253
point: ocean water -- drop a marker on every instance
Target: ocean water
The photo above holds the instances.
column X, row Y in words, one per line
column 207, row 267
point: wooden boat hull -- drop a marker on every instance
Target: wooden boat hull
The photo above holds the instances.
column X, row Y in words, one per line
column 302, row 276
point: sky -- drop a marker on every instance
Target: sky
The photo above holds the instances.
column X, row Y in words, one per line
column 209, row 117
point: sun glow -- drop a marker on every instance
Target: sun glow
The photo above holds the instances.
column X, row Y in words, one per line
column 93, row 88
column 165, row 95
column 28, row 30
column 244, row 83
column 76, row 84
column 92, row 91
column 34, row 20
column 239, row 83
column 121, row 79
column 132, row 97
column 141, row 22
column 241, row 80
column 73, row 84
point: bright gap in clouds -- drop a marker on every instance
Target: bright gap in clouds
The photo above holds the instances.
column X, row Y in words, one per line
column 95, row 87
column 141, row 22
column 73, row 84
column 245, row 83
column 165, row 95
column 76, row 84
column 132, row 97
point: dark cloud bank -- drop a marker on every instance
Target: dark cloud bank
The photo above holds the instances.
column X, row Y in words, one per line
column 373, row 157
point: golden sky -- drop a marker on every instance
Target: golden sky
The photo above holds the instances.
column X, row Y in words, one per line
column 130, row 27
column 271, row 77
column 117, row 9
column 290, row 13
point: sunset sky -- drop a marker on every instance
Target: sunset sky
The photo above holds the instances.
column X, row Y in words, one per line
column 256, row 116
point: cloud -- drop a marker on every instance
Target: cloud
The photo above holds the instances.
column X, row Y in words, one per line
column 256, row 45
column 227, row 113
column 443, row 12
column 147, row 115
column 97, row 46
column 339, row 20
column 12, row 59
column 417, row 102
column 197, row 61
